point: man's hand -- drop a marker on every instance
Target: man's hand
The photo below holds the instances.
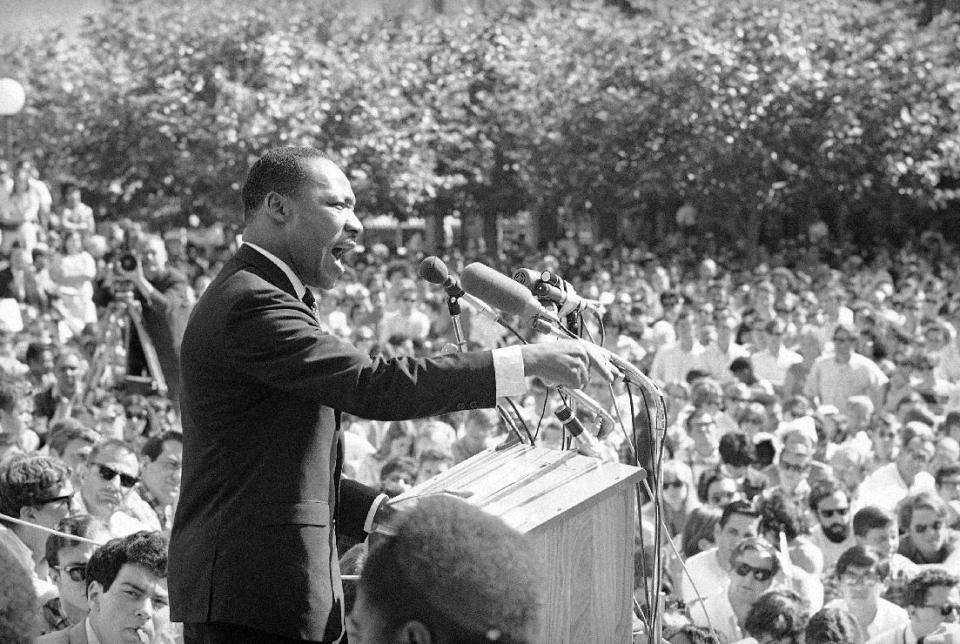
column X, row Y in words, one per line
column 567, row 363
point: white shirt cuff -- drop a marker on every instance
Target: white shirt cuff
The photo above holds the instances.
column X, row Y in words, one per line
column 368, row 524
column 508, row 369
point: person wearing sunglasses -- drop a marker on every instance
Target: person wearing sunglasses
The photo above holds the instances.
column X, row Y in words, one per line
column 709, row 570
column 68, row 559
column 111, row 472
column 932, row 601
column 754, row 565
column 861, row 576
column 833, row 534
column 928, row 539
column 908, row 474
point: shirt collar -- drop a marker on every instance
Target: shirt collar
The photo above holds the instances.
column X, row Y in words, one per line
column 298, row 286
column 91, row 634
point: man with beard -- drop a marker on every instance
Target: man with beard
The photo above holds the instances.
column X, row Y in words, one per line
column 832, row 534
column 861, row 583
column 753, row 566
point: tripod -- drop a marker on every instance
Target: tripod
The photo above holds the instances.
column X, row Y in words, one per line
column 125, row 356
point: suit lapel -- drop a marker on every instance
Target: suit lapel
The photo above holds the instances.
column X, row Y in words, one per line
column 267, row 269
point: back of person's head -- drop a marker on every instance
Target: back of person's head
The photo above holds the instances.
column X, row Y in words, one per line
column 19, row 607
column 28, row 480
column 736, row 449
column 80, row 525
column 869, row 518
column 778, row 614
column 145, row 549
column 919, row 501
column 699, row 529
column 916, row 591
column 858, row 557
column 779, row 514
column 65, row 431
column 153, row 448
column 460, row 574
column 832, row 625
column 737, row 507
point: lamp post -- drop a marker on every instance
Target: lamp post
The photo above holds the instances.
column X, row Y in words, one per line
column 12, row 99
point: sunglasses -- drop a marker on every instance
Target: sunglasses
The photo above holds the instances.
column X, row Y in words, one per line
column 844, row 339
column 793, row 467
column 920, row 528
column 946, row 610
column 838, row 511
column 76, row 572
column 760, row 574
column 107, row 473
column 867, row 579
column 55, row 499
column 673, row 484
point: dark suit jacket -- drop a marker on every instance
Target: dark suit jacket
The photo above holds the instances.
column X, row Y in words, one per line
column 253, row 537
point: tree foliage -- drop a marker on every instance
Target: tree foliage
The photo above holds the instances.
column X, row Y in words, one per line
column 762, row 116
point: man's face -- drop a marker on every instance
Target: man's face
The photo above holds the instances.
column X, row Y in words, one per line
column 750, row 576
column 774, row 340
column 703, row 433
column 162, row 476
column 75, row 455
column 320, row 225
column 928, row 531
column 843, row 344
column 833, row 513
column 860, row 586
column 914, row 458
column 68, row 374
column 739, row 526
column 70, row 575
column 950, row 488
column 793, row 469
column 103, row 488
column 885, row 440
column 153, row 256
column 925, row 619
column 883, row 540
column 52, row 508
column 429, row 469
column 42, row 364
column 721, row 492
column 135, row 608
column 396, row 482
column 946, row 452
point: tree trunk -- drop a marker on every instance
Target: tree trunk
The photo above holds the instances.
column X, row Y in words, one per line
column 433, row 238
column 491, row 238
column 547, row 226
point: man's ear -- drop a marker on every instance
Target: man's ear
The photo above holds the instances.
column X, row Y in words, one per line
column 94, row 593
column 28, row 513
column 413, row 632
column 276, row 207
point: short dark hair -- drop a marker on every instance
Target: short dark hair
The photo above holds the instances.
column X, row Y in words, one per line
column 736, row 449
column 280, row 170
column 756, row 544
column 779, row 613
column 916, row 591
column 952, row 469
column 740, row 363
column 63, row 431
column 29, row 479
column 80, row 525
column 737, row 507
column 824, row 489
column 779, row 514
column 110, row 443
column 700, row 524
column 859, row 556
column 870, row 518
column 461, row 572
column 145, row 549
column 403, row 464
column 36, row 349
column 832, row 626
column 919, row 501
column 153, row 448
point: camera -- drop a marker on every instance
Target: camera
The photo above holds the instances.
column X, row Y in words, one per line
column 128, row 262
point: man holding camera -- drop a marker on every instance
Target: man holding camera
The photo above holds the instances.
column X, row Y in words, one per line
column 164, row 295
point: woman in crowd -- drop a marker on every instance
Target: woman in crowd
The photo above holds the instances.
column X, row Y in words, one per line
column 679, row 497
column 73, row 272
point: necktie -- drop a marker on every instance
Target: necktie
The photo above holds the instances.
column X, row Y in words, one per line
column 311, row 303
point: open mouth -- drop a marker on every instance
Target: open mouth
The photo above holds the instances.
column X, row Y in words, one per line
column 342, row 249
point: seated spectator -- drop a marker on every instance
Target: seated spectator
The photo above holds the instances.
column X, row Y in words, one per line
column 708, row 572
column 753, row 565
column 831, row 625
column 398, row 475
column 110, row 475
column 35, row 489
column 71, row 441
column 861, row 578
column 479, row 425
column 64, row 398
column 126, row 593
column 947, row 481
column 774, row 359
column 736, row 457
column 876, row 528
column 717, row 489
column 431, row 463
column 928, row 539
column 701, row 451
column 887, row 486
column 67, row 559
column 161, row 464
column 833, row 533
column 451, row 574
column 777, row 616
column 931, row 599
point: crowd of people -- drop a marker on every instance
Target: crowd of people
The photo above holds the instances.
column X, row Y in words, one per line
column 811, row 470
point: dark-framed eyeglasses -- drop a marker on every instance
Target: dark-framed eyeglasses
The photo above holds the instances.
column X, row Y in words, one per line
column 55, row 499
column 836, row 511
column 946, row 610
column 107, row 473
column 76, row 572
column 844, row 338
column 795, row 467
column 920, row 528
column 866, row 579
column 760, row 574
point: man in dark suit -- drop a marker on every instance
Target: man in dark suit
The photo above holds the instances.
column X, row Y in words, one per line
column 253, row 556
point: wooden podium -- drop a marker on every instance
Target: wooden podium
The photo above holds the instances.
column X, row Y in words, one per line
column 579, row 513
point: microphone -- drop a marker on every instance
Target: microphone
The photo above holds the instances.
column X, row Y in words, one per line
column 551, row 287
column 435, row 271
column 589, row 445
column 501, row 292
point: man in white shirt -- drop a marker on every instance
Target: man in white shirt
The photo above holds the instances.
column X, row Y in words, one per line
column 861, row 583
column 833, row 379
column 771, row 362
column 932, row 600
column 724, row 350
column 891, row 483
column 709, row 569
column 672, row 362
column 833, row 534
